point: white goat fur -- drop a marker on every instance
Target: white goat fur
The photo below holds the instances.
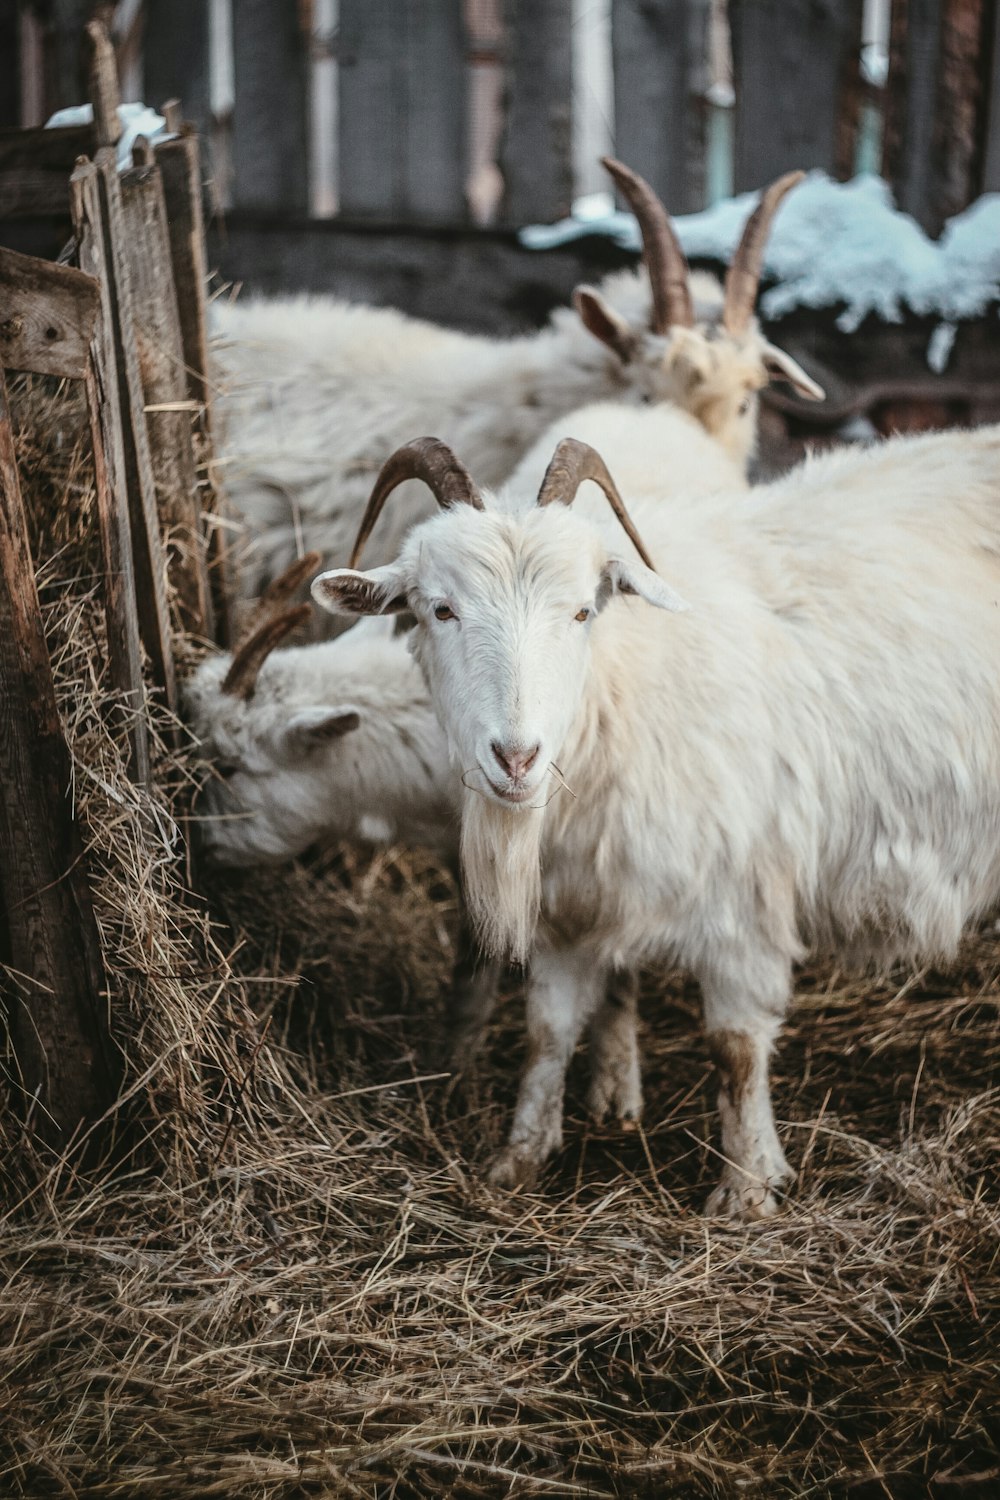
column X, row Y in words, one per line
column 314, row 392
column 808, row 758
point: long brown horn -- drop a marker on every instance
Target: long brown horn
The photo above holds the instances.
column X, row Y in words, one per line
column 425, row 458
column 570, row 465
column 241, row 679
column 668, row 269
column 743, row 276
column 288, row 583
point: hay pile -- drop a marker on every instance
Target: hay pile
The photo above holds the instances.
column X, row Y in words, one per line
column 300, row 1286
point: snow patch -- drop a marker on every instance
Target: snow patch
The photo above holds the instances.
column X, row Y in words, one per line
column 136, row 120
column 836, row 244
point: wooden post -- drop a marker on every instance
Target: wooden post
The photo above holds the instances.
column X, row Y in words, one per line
column 402, row 110
column 165, row 390
column 536, row 157
column 813, row 52
column 991, row 126
column 659, row 51
column 120, row 609
column 104, row 92
column 56, row 986
column 147, row 551
column 176, row 54
column 180, row 165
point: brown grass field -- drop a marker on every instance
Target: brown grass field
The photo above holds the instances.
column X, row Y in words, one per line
column 291, row 1280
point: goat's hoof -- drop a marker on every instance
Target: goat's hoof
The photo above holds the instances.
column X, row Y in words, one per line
column 612, row 1095
column 514, row 1168
column 743, row 1202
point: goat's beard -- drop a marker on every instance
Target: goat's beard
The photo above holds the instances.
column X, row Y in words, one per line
column 501, row 874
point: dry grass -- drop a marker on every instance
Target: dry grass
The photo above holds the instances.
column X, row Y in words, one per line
column 299, row 1285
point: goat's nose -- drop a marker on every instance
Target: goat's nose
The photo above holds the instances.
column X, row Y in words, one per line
column 514, row 760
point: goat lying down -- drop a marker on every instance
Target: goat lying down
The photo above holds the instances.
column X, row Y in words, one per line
column 806, row 758
column 338, row 740
column 313, row 392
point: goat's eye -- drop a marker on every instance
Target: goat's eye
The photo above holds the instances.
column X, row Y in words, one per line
column 581, row 615
column 444, row 612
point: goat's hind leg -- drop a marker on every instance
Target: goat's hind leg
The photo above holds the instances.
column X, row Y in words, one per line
column 564, row 990
column 744, row 1006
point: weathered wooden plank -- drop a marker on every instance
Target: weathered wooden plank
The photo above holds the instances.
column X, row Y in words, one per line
column 164, row 386
column 104, row 92
column 47, row 316
column 55, row 985
column 180, row 165
column 108, row 441
column 10, row 66
column 402, row 110
column 812, row 48
column 270, row 150
column 991, row 143
column 147, row 549
column 659, row 52
column 536, row 156
column 176, row 55
column 35, row 167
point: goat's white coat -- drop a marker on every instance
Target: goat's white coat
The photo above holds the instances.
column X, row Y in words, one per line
column 808, row 758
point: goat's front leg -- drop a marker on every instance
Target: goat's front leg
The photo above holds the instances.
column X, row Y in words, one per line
column 565, row 988
column 475, row 985
column 745, row 1002
column 615, row 1083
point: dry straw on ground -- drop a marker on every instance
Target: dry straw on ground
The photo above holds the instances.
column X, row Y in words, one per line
column 297, row 1284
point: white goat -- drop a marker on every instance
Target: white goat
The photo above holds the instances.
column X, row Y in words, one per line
column 338, row 740
column 807, row 758
column 313, row 392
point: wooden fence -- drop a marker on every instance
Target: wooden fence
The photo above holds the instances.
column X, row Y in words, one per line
column 127, row 320
column 408, row 101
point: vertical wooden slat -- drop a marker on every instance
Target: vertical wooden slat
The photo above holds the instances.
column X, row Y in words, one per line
column 270, row 149
column 659, row 51
column 180, row 165
column 536, row 156
column 176, row 56
column 164, row 385
column 402, row 109
column 795, row 62
column 147, row 550
column 10, row 67
column 120, row 608
column 104, row 92
column 991, row 142
column 56, row 990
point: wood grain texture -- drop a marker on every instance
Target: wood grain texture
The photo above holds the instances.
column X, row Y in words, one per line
column 35, row 166
column 659, row 55
column 536, row 155
column 180, row 165
column 47, row 316
column 54, row 985
column 270, row 151
column 147, row 549
column 164, row 385
column 105, row 95
column 108, row 441
column 402, row 110
column 795, row 62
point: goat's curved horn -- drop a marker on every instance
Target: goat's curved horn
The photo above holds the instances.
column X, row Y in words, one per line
column 288, row 583
column 425, row 458
column 241, row 679
column 668, row 269
column 570, row 465
column 743, row 276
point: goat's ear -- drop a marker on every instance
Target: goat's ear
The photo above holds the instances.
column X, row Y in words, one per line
column 604, row 323
column 781, row 366
column 345, row 591
column 309, row 727
column 621, row 577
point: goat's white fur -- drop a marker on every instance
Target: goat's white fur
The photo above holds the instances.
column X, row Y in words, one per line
column 339, row 741
column 314, row 392
column 807, row 758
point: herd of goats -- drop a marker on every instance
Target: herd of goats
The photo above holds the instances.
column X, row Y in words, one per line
column 653, row 714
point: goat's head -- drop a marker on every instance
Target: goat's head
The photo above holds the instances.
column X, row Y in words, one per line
column 271, row 729
column 712, row 366
column 504, row 603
